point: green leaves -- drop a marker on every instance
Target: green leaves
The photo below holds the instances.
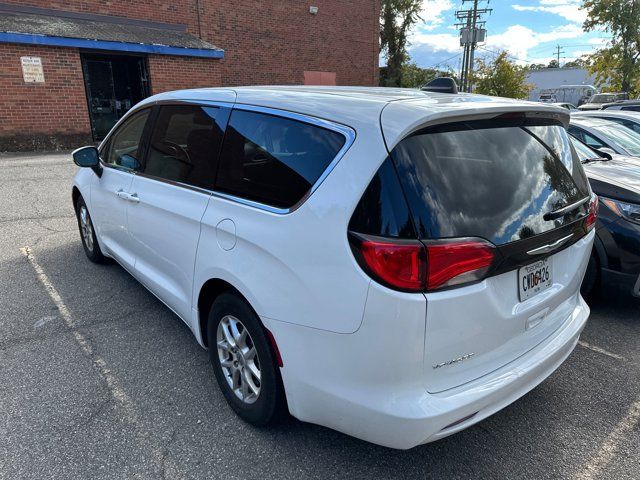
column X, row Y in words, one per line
column 617, row 65
column 500, row 77
column 396, row 19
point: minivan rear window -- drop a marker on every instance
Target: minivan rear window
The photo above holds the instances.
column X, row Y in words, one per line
column 494, row 182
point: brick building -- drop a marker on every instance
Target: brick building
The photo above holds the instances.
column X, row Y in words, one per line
column 70, row 68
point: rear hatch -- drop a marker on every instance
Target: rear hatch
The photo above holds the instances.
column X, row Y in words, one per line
column 512, row 181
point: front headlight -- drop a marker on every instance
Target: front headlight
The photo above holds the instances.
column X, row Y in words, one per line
column 630, row 211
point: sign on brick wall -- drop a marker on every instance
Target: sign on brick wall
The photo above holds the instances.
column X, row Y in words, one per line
column 32, row 69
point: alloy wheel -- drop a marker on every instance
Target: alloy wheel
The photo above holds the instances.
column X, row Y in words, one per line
column 239, row 359
column 86, row 228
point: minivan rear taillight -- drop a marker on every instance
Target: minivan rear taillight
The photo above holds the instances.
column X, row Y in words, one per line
column 458, row 261
column 400, row 265
column 413, row 266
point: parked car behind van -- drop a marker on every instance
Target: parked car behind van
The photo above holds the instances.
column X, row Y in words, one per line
column 628, row 119
column 394, row 264
column 597, row 101
column 624, row 105
column 605, row 135
column 615, row 259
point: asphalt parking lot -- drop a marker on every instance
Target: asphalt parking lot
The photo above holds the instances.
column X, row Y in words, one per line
column 99, row 380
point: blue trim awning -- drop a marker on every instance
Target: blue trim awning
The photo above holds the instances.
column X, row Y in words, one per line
column 101, row 35
column 6, row 37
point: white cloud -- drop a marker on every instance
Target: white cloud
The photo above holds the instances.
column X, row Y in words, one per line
column 518, row 40
column 432, row 14
column 598, row 41
column 438, row 42
column 433, row 17
column 435, row 39
column 568, row 9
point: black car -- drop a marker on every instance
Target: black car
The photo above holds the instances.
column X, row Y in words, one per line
column 615, row 258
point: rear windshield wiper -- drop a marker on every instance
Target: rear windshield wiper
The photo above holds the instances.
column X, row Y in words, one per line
column 561, row 212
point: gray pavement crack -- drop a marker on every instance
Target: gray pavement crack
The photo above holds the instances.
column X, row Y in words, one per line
column 166, row 450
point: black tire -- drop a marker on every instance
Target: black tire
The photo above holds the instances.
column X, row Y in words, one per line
column 270, row 404
column 91, row 248
column 591, row 280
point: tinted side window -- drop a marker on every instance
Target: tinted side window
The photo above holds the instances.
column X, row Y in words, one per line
column 274, row 160
column 584, row 137
column 125, row 148
column 627, row 123
column 184, row 145
column 382, row 210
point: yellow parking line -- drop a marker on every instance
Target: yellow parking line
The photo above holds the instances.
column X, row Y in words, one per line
column 596, row 349
column 100, row 365
column 611, row 444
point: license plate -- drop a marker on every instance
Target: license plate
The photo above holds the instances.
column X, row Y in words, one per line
column 534, row 278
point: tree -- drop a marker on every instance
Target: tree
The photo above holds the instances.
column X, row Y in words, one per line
column 413, row 76
column 500, row 77
column 396, row 19
column 537, row 66
column 553, row 64
column 577, row 63
column 619, row 63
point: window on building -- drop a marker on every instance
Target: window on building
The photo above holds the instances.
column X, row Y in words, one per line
column 274, row 160
column 184, row 145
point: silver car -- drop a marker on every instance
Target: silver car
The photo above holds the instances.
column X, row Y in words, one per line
column 605, row 135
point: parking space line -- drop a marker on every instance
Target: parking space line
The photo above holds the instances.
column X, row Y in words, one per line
column 100, row 365
column 611, row 444
column 596, row 349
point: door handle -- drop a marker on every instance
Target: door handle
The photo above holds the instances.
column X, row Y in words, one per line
column 131, row 197
column 122, row 194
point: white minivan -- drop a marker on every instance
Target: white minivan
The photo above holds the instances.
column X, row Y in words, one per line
column 393, row 264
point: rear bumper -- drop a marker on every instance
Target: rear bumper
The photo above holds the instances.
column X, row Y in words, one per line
column 375, row 400
column 495, row 391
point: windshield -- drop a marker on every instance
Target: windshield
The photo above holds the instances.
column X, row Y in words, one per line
column 481, row 180
column 584, row 152
column 603, row 98
column 627, row 139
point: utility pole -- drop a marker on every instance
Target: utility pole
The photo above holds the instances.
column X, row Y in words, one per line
column 559, row 50
column 472, row 32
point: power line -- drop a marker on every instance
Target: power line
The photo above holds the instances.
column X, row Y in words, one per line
column 444, row 62
column 510, row 55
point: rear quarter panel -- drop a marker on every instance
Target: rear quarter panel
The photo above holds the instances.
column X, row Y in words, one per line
column 298, row 267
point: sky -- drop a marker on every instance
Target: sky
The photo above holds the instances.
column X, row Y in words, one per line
column 528, row 29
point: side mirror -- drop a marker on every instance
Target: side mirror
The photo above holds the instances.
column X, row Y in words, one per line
column 88, row 157
column 129, row 162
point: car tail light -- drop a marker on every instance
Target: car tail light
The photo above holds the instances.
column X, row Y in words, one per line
column 413, row 266
column 454, row 262
column 592, row 216
column 399, row 265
